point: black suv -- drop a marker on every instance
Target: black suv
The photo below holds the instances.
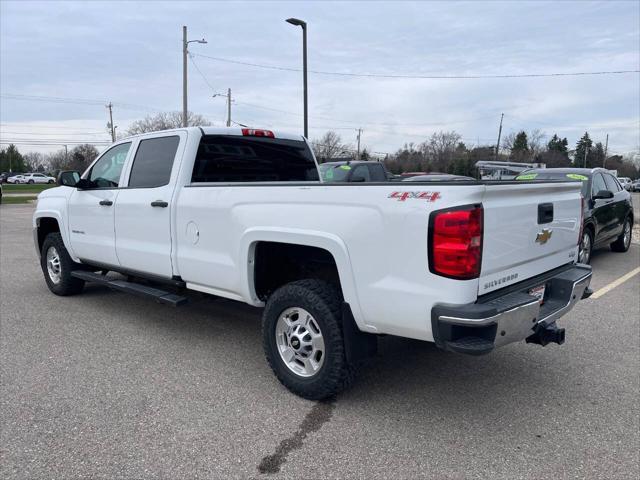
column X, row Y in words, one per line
column 608, row 211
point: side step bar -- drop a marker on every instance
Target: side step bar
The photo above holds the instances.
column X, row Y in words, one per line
column 160, row 296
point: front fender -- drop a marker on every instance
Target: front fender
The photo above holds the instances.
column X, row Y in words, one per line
column 327, row 241
column 53, row 207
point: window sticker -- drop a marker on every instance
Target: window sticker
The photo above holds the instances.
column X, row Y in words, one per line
column 527, row 176
column 329, row 174
column 345, row 167
column 576, row 176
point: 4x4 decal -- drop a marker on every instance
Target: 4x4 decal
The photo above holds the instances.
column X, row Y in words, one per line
column 426, row 196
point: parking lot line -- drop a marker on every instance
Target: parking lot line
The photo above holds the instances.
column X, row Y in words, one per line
column 615, row 283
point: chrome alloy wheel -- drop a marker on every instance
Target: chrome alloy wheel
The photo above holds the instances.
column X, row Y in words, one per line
column 626, row 238
column 300, row 342
column 54, row 269
column 585, row 248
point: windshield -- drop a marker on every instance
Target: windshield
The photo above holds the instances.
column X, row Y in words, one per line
column 575, row 177
column 334, row 173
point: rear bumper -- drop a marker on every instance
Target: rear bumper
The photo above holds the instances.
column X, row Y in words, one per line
column 480, row 327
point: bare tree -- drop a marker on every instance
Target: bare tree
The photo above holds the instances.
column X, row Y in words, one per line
column 57, row 160
column 440, row 149
column 536, row 143
column 166, row 121
column 35, row 161
column 81, row 157
column 329, row 146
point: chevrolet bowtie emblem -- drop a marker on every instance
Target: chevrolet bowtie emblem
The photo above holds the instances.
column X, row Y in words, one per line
column 543, row 236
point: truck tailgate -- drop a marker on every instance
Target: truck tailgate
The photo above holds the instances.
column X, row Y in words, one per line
column 529, row 229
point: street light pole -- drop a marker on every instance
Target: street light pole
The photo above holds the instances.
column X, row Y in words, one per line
column 300, row 23
column 185, row 52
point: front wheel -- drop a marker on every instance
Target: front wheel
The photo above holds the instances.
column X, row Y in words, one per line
column 30, row 181
column 57, row 266
column 50, row 182
column 624, row 240
column 302, row 339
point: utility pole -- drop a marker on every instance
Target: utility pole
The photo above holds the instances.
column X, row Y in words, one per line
column 185, row 52
column 184, row 76
column 358, row 154
column 113, row 130
column 228, row 107
column 586, row 151
column 499, row 135
column 66, row 156
column 606, row 146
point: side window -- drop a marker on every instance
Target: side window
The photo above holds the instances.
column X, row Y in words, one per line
column 361, row 171
column 598, row 184
column 612, row 183
column 105, row 173
column 153, row 162
column 377, row 173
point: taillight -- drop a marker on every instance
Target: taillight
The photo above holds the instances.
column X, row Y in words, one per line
column 455, row 242
column 252, row 132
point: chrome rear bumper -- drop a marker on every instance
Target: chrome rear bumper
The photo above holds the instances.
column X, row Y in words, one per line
column 480, row 327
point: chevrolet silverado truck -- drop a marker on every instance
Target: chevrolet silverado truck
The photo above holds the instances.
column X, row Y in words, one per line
column 243, row 214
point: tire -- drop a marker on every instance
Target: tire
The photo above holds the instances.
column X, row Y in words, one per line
column 624, row 240
column 57, row 267
column 322, row 302
column 50, row 181
column 30, row 181
column 586, row 247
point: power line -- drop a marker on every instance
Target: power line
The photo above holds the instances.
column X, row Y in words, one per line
column 408, row 76
column 77, row 101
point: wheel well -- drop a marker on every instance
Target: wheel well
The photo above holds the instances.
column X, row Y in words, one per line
column 46, row 225
column 277, row 264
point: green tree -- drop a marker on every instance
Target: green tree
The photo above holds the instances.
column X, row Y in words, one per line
column 557, row 153
column 583, row 147
column 364, row 155
column 11, row 160
column 520, row 148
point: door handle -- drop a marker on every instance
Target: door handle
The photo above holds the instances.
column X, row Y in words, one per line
column 106, row 203
column 159, row 203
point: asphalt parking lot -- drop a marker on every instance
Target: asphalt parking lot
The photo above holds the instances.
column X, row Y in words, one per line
column 105, row 385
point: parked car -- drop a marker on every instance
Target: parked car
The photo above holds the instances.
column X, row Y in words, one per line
column 625, row 182
column 608, row 210
column 0, row 192
column 16, row 179
column 37, row 178
column 5, row 175
column 355, row 171
column 242, row 214
column 439, row 177
column 635, row 186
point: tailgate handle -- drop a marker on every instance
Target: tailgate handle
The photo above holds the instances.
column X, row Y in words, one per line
column 545, row 213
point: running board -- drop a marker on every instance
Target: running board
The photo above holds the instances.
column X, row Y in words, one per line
column 160, row 296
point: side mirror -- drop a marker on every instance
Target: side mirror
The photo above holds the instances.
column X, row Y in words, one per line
column 69, row 178
column 357, row 178
column 603, row 194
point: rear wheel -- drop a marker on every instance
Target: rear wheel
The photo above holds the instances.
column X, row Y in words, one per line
column 586, row 246
column 30, row 181
column 57, row 267
column 302, row 339
column 624, row 240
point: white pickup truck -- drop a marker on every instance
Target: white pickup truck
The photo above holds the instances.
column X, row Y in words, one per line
column 243, row 214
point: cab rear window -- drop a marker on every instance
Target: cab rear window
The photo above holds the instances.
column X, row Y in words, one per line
column 574, row 177
column 228, row 158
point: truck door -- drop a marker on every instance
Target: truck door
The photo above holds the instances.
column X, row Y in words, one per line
column 143, row 209
column 91, row 210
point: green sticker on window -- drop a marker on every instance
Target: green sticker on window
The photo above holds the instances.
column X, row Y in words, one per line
column 329, row 174
column 527, row 176
column 576, row 176
column 345, row 167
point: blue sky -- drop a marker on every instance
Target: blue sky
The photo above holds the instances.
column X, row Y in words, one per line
column 130, row 54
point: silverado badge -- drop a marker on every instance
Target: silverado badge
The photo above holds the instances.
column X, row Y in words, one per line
column 543, row 236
